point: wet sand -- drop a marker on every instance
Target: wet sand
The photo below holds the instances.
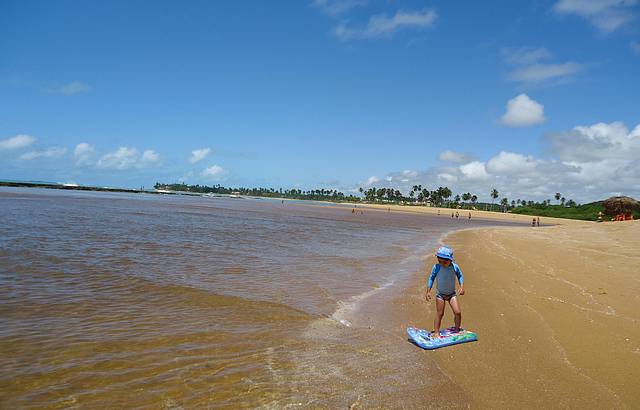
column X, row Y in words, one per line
column 556, row 311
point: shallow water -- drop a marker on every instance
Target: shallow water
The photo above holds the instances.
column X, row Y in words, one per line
column 125, row 300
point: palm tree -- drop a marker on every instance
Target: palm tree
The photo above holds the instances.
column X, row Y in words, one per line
column 371, row 193
column 505, row 204
column 391, row 194
column 446, row 193
column 437, row 195
column 466, row 196
column 562, row 200
column 425, row 194
column 558, row 195
column 494, row 195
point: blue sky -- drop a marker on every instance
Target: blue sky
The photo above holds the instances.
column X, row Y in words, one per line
column 531, row 98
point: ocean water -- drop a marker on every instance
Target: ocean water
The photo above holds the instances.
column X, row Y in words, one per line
column 155, row 301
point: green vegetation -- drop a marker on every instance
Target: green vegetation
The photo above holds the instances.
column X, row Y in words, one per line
column 313, row 195
column 588, row 212
column 418, row 196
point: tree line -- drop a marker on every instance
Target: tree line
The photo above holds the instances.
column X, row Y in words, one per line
column 313, row 194
column 441, row 197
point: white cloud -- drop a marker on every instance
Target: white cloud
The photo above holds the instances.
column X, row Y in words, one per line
column 522, row 111
column 213, row 172
column 538, row 73
column 17, row 142
column 53, row 152
column 75, row 87
column 372, row 180
column 474, row 171
column 126, row 158
column 586, row 163
column 525, row 55
column 199, row 154
column 597, row 142
column 447, row 177
column 606, row 15
column 83, row 153
column 123, row 158
column 335, row 7
column 529, row 68
column 592, row 173
column 383, row 26
column 509, row 163
column 452, row 156
column 149, row 157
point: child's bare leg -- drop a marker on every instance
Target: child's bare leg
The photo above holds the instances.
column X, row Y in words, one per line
column 457, row 313
column 439, row 315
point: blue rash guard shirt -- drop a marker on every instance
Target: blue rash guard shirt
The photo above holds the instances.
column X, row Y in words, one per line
column 446, row 278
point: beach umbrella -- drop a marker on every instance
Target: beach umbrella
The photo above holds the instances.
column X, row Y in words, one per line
column 620, row 205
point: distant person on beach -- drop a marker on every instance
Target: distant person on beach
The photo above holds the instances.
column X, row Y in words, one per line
column 533, row 223
column 538, row 222
column 445, row 272
column 457, row 214
column 469, row 215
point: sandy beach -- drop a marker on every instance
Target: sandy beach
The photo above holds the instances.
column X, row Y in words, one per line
column 475, row 213
column 556, row 311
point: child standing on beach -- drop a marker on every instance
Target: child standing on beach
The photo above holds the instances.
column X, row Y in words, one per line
column 446, row 272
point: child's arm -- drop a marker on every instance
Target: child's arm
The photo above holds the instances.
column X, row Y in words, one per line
column 458, row 272
column 432, row 277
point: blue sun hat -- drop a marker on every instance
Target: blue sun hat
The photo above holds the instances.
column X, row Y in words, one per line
column 445, row 252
